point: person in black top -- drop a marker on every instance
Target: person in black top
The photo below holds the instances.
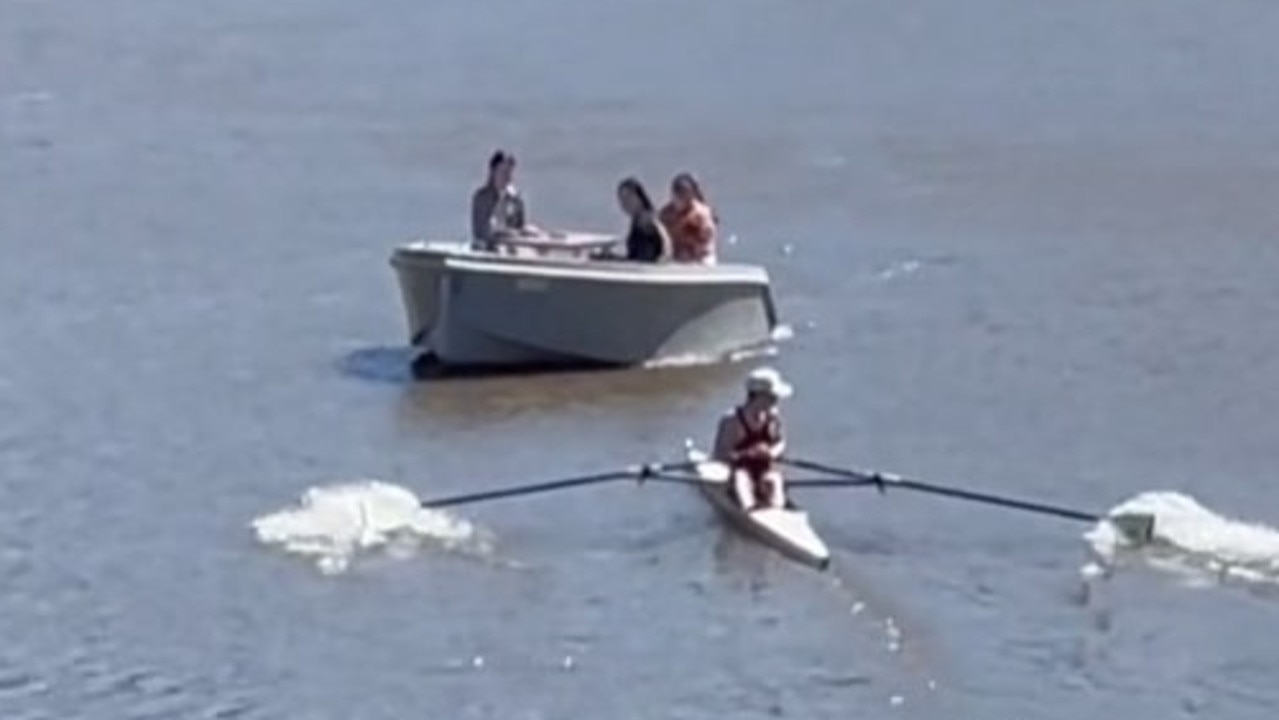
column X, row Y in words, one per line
column 647, row 240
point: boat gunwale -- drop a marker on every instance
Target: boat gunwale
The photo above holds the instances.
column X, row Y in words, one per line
column 459, row 258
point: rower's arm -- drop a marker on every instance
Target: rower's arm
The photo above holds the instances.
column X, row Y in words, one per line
column 777, row 450
column 779, row 447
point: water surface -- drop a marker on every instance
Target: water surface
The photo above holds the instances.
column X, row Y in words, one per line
column 1026, row 247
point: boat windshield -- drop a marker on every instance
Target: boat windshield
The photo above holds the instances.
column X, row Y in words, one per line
column 577, row 245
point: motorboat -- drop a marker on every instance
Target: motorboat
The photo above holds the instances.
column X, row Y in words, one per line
column 554, row 301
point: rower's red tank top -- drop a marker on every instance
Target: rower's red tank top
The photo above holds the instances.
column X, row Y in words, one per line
column 769, row 433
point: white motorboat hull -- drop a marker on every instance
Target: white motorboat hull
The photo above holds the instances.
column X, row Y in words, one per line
column 785, row 529
column 470, row 308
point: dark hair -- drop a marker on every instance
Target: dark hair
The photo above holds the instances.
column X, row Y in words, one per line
column 686, row 178
column 636, row 187
column 499, row 157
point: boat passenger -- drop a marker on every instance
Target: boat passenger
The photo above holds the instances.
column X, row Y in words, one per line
column 497, row 208
column 690, row 222
column 749, row 440
column 646, row 241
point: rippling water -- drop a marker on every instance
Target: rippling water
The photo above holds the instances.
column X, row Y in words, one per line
column 1025, row 247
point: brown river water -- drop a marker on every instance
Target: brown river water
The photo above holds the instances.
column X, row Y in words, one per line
column 1030, row 248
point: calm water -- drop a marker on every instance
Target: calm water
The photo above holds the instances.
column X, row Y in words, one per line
column 1027, row 247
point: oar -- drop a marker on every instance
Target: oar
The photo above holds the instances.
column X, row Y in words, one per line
column 642, row 473
column 1139, row 527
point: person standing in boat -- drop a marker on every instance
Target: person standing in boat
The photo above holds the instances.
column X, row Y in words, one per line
column 646, row 241
column 497, row 208
column 689, row 221
column 749, row 440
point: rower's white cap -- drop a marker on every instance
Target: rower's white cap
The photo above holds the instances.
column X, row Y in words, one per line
column 767, row 380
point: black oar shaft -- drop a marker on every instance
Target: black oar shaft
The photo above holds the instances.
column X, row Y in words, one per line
column 639, row 472
column 855, row 478
column 671, row 479
column 1008, row 502
column 527, row 489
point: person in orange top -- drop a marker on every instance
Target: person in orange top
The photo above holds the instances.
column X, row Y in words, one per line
column 689, row 221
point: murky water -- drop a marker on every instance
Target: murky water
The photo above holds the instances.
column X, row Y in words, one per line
column 1025, row 247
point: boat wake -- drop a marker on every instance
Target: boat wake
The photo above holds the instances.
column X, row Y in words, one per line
column 332, row 525
column 1189, row 540
column 769, row 348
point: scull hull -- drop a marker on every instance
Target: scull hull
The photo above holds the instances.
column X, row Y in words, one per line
column 787, row 530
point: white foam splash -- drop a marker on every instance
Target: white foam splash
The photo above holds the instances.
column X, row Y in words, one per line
column 898, row 269
column 333, row 524
column 1190, row 540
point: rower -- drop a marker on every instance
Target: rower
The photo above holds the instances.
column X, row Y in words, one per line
column 749, row 440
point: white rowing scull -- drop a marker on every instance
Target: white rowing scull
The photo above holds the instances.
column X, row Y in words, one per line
column 786, row 530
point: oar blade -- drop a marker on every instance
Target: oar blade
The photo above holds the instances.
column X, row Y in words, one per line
column 1136, row 528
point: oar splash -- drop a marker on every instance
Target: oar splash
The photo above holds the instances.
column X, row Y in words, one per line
column 1192, row 541
column 332, row 525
